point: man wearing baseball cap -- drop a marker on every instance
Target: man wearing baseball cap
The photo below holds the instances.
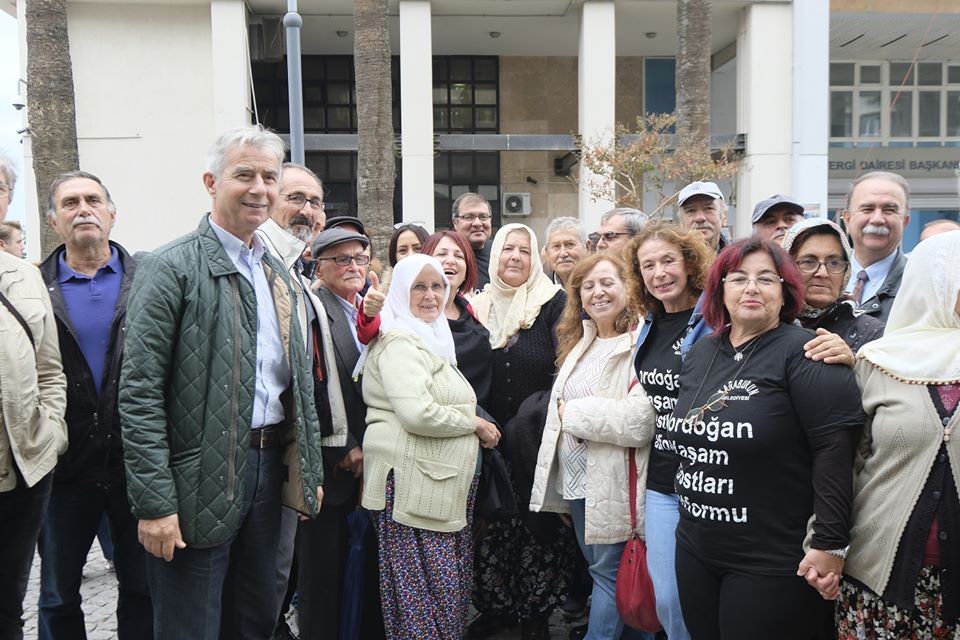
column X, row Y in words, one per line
column 703, row 208
column 773, row 216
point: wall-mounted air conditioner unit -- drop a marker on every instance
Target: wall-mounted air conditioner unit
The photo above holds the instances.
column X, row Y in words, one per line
column 516, row 204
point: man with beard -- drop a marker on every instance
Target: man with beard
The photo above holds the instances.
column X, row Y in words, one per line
column 702, row 208
column 773, row 216
column 875, row 216
column 293, row 219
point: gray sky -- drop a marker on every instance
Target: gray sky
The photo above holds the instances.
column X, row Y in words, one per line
column 10, row 119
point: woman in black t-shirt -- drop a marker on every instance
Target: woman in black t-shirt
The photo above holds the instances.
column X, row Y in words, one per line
column 765, row 440
column 668, row 268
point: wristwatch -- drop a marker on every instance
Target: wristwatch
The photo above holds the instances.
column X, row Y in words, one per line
column 840, row 553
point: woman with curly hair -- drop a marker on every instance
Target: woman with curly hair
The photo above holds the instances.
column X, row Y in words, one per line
column 667, row 270
column 595, row 420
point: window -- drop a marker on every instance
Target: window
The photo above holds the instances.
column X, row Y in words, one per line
column 457, row 173
column 466, row 94
column 897, row 104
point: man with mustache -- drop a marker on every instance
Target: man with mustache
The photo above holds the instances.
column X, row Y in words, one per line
column 703, row 208
column 565, row 245
column 286, row 234
column 875, row 215
column 773, row 216
column 89, row 278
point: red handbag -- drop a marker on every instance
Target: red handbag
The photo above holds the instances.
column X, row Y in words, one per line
column 636, row 602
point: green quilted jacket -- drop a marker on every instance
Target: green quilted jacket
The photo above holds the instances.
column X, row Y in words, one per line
column 187, row 388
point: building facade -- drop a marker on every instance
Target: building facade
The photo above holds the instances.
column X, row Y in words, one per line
column 488, row 96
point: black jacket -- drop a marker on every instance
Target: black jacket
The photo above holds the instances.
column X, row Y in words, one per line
column 339, row 486
column 855, row 327
column 95, row 452
column 880, row 304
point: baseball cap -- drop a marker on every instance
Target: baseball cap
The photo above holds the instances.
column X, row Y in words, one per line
column 776, row 201
column 699, row 189
column 337, row 221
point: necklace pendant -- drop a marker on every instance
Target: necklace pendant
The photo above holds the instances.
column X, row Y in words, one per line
column 738, row 357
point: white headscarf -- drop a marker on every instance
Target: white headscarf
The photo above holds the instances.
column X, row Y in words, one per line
column 790, row 237
column 505, row 310
column 921, row 343
column 396, row 314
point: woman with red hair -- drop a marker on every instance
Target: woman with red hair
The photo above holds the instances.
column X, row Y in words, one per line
column 765, row 440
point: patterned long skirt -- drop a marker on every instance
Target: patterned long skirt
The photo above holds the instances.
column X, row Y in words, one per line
column 425, row 576
column 522, row 574
column 861, row 615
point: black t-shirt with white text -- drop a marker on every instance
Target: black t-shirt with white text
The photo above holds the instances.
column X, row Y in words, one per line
column 745, row 479
column 658, row 370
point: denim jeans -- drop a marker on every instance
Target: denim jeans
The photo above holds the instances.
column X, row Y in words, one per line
column 603, row 560
column 662, row 516
column 21, row 512
column 73, row 517
column 230, row 590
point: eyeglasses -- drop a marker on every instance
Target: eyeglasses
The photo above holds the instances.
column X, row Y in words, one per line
column 811, row 265
column 741, row 282
column 420, row 288
column 361, row 259
column 609, row 236
column 300, row 200
column 714, row 403
column 482, row 217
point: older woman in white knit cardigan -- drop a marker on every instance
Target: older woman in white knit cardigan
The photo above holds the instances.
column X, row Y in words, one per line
column 420, row 458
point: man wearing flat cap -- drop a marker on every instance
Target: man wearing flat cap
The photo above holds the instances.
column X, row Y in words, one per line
column 773, row 216
column 322, row 542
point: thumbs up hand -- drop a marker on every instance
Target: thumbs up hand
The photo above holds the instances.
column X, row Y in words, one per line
column 373, row 300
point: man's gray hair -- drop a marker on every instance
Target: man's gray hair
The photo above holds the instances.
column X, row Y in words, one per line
column 895, row 178
column 248, row 136
column 565, row 224
column 947, row 221
column 468, row 197
column 633, row 219
column 305, row 169
column 9, row 174
column 71, row 175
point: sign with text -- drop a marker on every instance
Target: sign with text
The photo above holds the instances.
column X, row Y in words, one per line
column 925, row 162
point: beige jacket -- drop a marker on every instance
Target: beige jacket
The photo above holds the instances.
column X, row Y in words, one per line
column 32, row 385
column 612, row 421
column 420, row 425
column 900, row 443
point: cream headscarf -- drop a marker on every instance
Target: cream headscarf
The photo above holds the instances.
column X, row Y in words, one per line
column 505, row 310
column 396, row 314
column 921, row 344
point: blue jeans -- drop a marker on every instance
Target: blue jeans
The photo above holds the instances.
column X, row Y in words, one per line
column 603, row 560
column 72, row 520
column 662, row 516
column 230, row 590
column 21, row 511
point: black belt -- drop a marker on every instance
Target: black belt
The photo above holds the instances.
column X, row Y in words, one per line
column 270, row 436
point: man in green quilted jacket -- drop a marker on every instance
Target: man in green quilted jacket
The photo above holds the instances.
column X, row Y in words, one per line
column 216, row 405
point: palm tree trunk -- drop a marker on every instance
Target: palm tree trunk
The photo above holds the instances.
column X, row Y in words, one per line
column 51, row 112
column 693, row 75
column 375, row 144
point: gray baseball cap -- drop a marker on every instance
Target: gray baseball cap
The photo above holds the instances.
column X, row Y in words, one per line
column 776, row 201
column 699, row 189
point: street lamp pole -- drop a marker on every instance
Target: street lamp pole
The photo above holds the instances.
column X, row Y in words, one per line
column 292, row 22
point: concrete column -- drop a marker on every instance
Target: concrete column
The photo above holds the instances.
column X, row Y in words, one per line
column 416, row 111
column 811, row 100
column 764, row 107
column 229, row 59
column 596, row 83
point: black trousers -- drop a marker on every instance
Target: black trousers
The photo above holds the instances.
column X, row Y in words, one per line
column 321, row 557
column 723, row 605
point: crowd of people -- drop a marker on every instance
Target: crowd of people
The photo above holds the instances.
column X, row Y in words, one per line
column 264, row 415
